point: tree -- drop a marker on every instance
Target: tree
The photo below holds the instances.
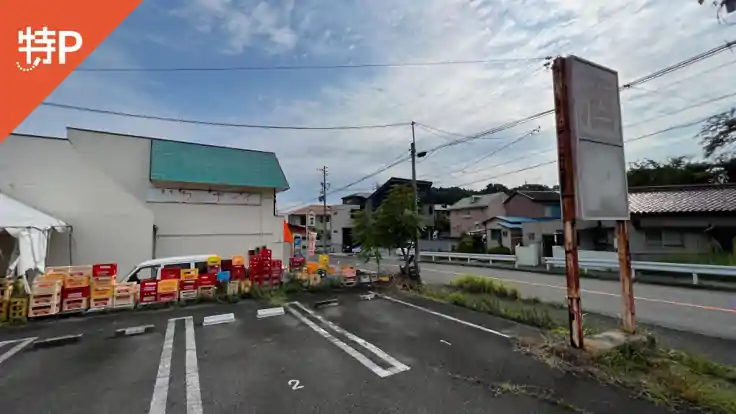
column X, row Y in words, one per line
column 365, row 234
column 674, row 171
column 718, row 135
column 394, row 225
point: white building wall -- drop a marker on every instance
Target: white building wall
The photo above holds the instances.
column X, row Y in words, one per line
column 183, row 227
column 109, row 225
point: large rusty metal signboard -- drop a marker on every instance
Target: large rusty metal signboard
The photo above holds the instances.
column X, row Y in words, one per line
column 597, row 141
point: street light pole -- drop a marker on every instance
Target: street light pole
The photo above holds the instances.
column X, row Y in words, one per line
column 415, row 191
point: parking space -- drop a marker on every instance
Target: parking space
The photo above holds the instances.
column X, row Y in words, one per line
column 359, row 356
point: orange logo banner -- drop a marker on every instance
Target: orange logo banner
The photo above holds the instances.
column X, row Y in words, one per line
column 42, row 42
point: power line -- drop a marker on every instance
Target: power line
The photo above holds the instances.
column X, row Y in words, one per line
column 219, row 124
column 640, row 137
column 317, row 67
column 659, row 73
column 496, row 151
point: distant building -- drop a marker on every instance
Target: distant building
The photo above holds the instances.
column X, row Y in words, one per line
column 468, row 214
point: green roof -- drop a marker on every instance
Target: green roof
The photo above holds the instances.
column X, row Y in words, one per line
column 204, row 164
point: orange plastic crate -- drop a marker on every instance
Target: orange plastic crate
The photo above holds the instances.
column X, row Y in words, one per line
column 168, row 286
column 126, row 289
column 189, row 274
column 43, row 287
column 80, row 270
column 238, row 260
column 97, row 303
column 75, row 304
column 76, row 281
column 57, row 269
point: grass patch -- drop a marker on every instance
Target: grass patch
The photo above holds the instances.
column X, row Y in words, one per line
column 274, row 296
column 672, row 377
column 504, row 307
column 478, row 284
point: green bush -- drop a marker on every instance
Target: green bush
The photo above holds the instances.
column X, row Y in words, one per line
column 479, row 284
column 499, row 250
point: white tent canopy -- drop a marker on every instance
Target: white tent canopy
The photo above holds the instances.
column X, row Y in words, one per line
column 32, row 229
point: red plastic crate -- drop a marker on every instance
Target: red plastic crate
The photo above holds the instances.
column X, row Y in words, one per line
column 147, row 299
column 207, row 279
column 167, row 297
column 187, row 285
column 75, row 293
column 170, row 273
column 104, row 269
column 149, row 286
column 237, row 273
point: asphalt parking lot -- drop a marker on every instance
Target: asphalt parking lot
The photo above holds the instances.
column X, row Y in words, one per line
column 377, row 356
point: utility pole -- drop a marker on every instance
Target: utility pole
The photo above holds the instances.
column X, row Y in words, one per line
column 323, row 199
column 415, row 191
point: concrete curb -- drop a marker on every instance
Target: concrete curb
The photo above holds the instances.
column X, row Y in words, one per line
column 640, row 279
column 132, row 331
column 57, row 341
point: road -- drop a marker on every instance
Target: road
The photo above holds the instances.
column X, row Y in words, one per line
column 707, row 312
column 377, row 356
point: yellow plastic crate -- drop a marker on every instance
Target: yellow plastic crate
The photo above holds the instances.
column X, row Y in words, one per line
column 18, row 310
column 4, row 305
column 189, row 274
column 168, row 286
column 214, row 261
column 76, row 281
column 101, row 292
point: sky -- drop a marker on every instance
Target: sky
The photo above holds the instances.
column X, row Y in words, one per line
column 633, row 37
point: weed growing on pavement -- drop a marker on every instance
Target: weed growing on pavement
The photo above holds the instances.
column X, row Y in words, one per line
column 668, row 377
column 274, row 296
column 479, row 284
column 505, row 306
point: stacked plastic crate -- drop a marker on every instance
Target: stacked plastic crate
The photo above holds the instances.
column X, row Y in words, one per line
column 102, row 287
column 168, row 286
column 266, row 266
column 148, row 290
column 125, row 294
column 254, row 268
column 76, row 291
column 237, row 274
column 188, row 284
column 277, row 272
column 45, row 297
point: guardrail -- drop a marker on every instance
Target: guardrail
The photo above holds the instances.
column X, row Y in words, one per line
column 469, row 257
column 683, row 268
column 592, row 264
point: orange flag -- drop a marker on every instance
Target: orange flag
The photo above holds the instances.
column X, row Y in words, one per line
column 288, row 237
column 42, row 42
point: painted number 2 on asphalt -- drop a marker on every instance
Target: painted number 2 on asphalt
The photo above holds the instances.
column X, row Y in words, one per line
column 294, row 384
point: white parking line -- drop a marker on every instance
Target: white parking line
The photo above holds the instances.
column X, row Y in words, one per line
column 381, row 372
column 194, row 395
column 21, row 343
column 397, row 365
column 442, row 315
column 161, row 389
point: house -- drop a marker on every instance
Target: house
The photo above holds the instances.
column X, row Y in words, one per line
column 508, row 231
column 665, row 221
column 128, row 199
column 321, row 215
column 468, row 214
column 533, row 204
column 423, row 188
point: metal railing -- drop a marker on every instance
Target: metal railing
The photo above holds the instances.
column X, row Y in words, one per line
column 470, row 257
column 681, row 268
column 592, row 264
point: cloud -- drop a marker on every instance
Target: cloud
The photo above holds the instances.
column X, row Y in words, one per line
column 241, row 23
column 635, row 37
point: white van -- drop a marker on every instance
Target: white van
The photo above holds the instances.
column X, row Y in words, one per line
column 151, row 269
